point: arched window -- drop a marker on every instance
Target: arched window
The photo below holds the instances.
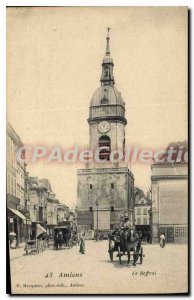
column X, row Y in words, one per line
column 104, row 141
column 107, row 72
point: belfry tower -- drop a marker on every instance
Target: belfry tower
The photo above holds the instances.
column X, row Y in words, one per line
column 106, row 186
column 107, row 112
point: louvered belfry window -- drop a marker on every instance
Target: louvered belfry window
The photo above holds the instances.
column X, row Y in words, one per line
column 104, row 141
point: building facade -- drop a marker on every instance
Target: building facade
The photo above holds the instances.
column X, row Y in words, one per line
column 32, row 207
column 38, row 205
column 52, row 213
column 142, row 216
column 170, row 202
column 63, row 213
column 105, row 188
column 17, row 202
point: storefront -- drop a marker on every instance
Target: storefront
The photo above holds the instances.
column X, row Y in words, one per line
column 17, row 224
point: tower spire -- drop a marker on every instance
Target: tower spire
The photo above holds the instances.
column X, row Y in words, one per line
column 107, row 77
column 107, row 42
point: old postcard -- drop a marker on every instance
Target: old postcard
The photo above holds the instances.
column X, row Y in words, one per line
column 97, row 150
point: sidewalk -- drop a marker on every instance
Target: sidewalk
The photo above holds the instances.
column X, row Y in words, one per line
column 18, row 252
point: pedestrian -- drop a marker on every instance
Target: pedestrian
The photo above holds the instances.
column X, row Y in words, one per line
column 162, row 240
column 141, row 235
column 148, row 237
column 82, row 244
column 13, row 240
column 150, row 241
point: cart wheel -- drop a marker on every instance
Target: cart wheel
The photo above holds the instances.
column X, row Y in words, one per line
column 141, row 256
column 128, row 257
column 120, row 258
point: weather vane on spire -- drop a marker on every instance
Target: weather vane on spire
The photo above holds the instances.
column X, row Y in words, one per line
column 108, row 29
column 107, row 43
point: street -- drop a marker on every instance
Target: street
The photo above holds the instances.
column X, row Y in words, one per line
column 69, row 272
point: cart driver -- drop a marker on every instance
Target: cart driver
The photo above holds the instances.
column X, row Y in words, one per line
column 126, row 223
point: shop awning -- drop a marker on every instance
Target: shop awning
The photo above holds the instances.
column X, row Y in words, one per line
column 17, row 213
column 39, row 229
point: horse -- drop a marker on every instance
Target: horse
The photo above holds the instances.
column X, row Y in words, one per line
column 131, row 243
column 58, row 241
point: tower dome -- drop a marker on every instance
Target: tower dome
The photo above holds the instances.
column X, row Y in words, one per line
column 107, row 102
column 108, row 95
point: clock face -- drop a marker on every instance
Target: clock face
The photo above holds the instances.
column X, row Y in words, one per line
column 104, row 127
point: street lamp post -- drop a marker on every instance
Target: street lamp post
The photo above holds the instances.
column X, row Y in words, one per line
column 151, row 217
column 97, row 220
column 150, row 214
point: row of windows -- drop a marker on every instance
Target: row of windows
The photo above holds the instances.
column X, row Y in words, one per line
column 107, row 110
column 11, row 151
column 11, row 185
column 180, row 231
column 11, row 188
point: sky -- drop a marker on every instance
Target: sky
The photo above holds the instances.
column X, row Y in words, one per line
column 54, row 57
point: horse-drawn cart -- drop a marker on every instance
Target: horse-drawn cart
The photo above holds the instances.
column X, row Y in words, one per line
column 35, row 246
column 38, row 243
column 126, row 242
column 62, row 237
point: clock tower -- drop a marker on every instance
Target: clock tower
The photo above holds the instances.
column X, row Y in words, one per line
column 106, row 186
column 107, row 113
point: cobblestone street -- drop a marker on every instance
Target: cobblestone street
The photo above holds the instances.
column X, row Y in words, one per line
column 162, row 271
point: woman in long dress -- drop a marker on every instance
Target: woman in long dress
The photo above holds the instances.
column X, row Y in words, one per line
column 82, row 244
column 162, row 240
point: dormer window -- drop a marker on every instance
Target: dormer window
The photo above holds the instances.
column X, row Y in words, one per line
column 104, row 101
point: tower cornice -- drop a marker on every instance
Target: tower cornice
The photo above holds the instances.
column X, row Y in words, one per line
column 114, row 119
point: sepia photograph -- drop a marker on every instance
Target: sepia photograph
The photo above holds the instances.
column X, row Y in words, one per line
column 97, row 191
